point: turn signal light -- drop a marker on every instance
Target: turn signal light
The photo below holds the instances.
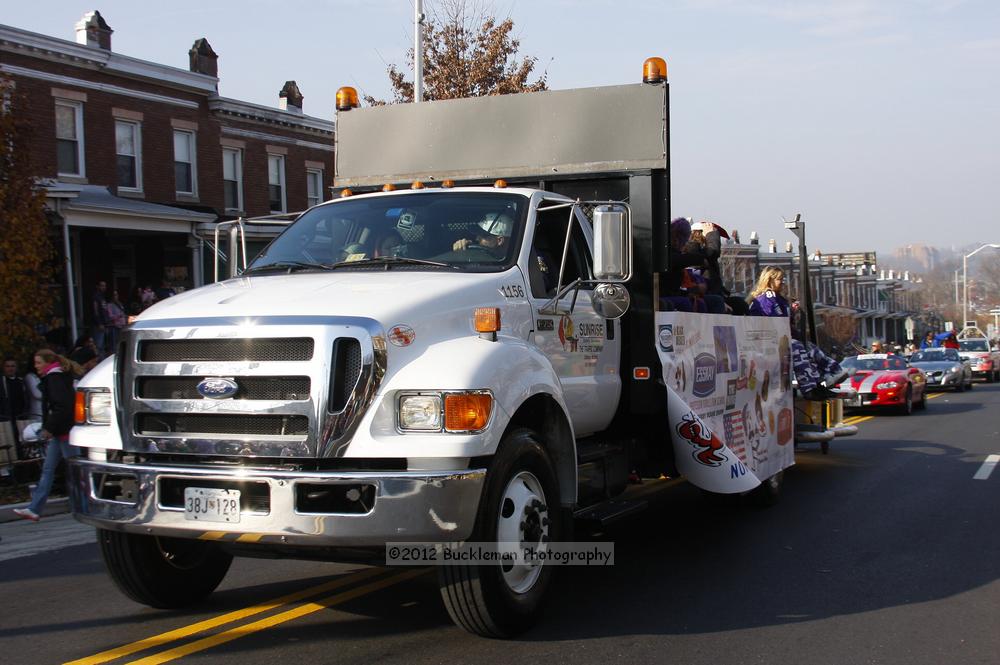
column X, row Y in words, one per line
column 347, row 99
column 467, row 412
column 80, row 408
column 487, row 319
column 654, row 70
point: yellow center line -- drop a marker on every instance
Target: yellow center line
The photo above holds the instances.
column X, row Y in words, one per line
column 270, row 622
column 201, row 626
column 861, row 419
column 935, row 395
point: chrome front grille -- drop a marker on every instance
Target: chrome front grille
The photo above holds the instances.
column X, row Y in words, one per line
column 284, row 396
column 289, row 349
column 288, row 388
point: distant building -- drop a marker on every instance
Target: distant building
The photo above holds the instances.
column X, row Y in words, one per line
column 141, row 159
column 917, row 257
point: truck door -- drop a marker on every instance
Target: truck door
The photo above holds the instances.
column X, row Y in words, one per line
column 582, row 347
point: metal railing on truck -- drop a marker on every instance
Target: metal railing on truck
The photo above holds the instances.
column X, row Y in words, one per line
column 236, row 232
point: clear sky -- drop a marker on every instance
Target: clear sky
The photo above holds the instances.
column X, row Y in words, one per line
column 876, row 119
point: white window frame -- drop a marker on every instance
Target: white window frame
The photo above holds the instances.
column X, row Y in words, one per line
column 81, row 161
column 282, row 182
column 193, row 152
column 316, row 174
column 239, row 177
column 137, row 143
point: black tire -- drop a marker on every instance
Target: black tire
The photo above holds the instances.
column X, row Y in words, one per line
column 479, row 598
column 769, row 491
column 906, row 408
column 922, row 404
column 824, row 447
column 165, row 573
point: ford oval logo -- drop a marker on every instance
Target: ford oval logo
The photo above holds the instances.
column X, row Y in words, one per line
column 217, row 388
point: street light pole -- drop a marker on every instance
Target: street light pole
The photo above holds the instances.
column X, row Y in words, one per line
column 418, row 51
column 965, row 280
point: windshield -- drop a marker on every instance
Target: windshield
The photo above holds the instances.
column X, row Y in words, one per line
column 973, row 345
column 935, row 355
column 873, row 363
column 470, row 231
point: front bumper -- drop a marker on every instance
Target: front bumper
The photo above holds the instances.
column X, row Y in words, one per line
column 408, row 505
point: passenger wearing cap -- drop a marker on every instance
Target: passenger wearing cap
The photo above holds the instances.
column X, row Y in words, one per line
column 496, row 230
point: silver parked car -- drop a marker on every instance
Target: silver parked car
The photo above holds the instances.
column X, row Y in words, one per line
column 945, row 368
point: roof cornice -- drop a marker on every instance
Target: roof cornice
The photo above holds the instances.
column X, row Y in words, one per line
column 16, row 40
column 268, row 115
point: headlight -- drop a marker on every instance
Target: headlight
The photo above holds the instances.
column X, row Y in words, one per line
column 453, row 411
column 93, row 407
column 420, row 412
column 887, row 385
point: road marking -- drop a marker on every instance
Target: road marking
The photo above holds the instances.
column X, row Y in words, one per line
column 860, row 419
column 201, row 626
column 277, row 619
column 935, row 395
column 987, row 468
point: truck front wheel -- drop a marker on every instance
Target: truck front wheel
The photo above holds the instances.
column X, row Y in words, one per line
column 519, row 508
column 164, row 573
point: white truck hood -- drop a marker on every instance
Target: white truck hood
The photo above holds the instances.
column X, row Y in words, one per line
column 381, row 295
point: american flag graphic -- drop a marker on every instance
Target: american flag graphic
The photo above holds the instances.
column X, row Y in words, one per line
column 732, row 426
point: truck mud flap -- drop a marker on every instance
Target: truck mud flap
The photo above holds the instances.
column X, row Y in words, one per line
column 700, row 454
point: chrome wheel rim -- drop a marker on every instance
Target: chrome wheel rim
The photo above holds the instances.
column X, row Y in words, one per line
column 523, row 522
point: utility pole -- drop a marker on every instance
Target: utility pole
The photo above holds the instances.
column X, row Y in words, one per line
column 418, row 51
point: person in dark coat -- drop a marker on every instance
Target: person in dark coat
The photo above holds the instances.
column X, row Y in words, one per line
column 13, row 398
column 58, row 397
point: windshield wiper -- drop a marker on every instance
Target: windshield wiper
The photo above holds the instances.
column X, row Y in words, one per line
column 288, row 266
column 388, row 261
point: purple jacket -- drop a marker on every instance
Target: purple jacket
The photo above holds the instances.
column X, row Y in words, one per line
column 770, row 303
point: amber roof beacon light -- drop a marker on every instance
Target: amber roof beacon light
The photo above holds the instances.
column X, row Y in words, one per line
column 347, row 99
column 654, row 70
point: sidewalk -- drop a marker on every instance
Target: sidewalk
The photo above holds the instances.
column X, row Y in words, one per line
column 55, row 506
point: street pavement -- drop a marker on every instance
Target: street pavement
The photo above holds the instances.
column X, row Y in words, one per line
column 883, row 551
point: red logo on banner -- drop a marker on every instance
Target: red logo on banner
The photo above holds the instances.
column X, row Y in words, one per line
column 706, row 444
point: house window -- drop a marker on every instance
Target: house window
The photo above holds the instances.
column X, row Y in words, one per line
column 185, row 175
column 69, row 138
column 232, row 177
column 127, row 149
column 314, row 187
column 276, row 182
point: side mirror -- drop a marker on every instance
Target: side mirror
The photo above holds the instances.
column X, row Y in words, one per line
column 914, row 370
column 612, row 244
column 610, row 301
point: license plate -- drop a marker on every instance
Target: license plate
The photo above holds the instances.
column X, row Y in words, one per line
column 211, row 504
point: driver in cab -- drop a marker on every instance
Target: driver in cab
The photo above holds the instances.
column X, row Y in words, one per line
column 495, row 234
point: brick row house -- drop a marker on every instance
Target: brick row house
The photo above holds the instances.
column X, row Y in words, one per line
column 141, row 160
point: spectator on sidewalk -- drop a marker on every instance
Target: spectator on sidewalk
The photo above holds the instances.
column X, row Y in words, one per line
column 117, row 320
column 99, row 312
column 57, row 408
column 13, row 402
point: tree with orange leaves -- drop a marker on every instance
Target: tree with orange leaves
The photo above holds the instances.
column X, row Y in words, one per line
column 25, row 248
column 468, row 52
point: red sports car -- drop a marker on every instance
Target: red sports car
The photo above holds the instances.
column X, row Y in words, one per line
column 885, row 379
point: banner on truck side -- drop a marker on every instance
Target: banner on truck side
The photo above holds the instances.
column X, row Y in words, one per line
column 729, row 397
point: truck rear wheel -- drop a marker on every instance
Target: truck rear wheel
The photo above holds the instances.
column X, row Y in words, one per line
column 769, row 491
column 164, row 573
column 520, row 504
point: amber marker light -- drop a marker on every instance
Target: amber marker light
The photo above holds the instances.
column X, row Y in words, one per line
column 417, row 185
column 487, row 319
column 448, row 184
column 500, row 183
column 344, row 193
column 640, row 373
column 467, row 412
column 80, row 408
column 347, row 99
column 654, row 70
column 388, row 187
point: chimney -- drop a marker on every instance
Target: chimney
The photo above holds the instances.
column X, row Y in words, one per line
column 892, row 274
column 881, row 274
column 772, row 246
column 290, row 98
column 906, row 275
column 202, row 59
column 754, row 239
column 788, row 247
column 92, row 30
